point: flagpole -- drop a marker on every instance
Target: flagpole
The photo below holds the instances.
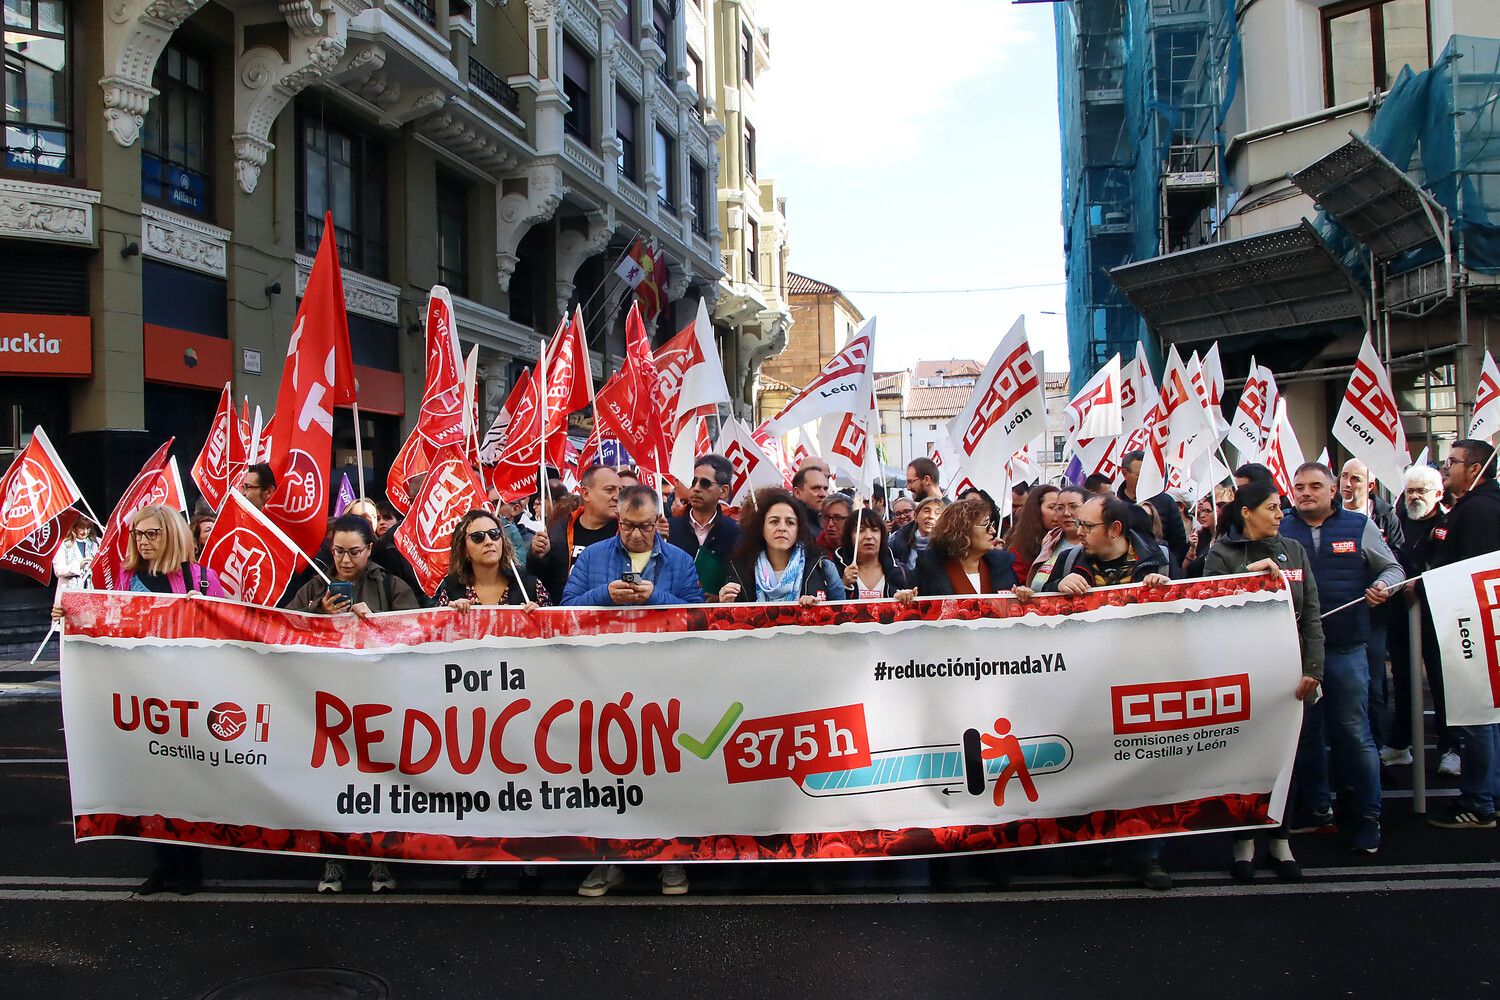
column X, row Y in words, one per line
column 46, row 639
column 541, row 395
column 359, row 450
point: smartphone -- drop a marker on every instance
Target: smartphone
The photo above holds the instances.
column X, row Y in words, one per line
column 342, row 590
column 630, row 578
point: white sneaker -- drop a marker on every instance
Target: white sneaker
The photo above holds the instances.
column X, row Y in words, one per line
column 1394, row 757
column 333, row 877
column 381, row 879
column 1448, row 764
column 602, row 879
column 674, row 880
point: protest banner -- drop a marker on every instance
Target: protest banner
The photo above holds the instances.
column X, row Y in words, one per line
column 1465, row 601
column 710, row 732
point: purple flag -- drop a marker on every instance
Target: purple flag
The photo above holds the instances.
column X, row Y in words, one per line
column 1074, row 472
column 345, row 498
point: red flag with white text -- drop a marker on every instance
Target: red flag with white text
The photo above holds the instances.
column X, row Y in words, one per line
column 212, row 470
column 37, row 487
column 449, row 492
column 255, row 560
column 151, row 485
column 33, row 556
column 515, row 475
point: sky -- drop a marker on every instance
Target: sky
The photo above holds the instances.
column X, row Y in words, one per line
column 916, row 154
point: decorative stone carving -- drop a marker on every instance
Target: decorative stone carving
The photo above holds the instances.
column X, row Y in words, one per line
column 465, row 138
column 772, row 341
column 47, row 212
column 574, row 247
column 265, row 81
column 516, row 214
column 678, row 280
column 362, row 295
column 542, row 11
column 185, row 242
column 135, row 32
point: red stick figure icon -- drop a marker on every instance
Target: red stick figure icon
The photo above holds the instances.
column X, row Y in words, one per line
column 1004, row 744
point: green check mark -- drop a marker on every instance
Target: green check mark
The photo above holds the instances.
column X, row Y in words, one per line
column 711, row 743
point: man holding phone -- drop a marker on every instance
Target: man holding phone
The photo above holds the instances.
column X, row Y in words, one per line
column 636, row 566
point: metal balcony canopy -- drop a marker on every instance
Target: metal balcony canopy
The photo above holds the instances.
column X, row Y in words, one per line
column 1276, row 280
column 1372, row 198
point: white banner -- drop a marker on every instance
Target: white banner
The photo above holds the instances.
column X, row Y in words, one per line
column 1465, row 603
column 859, row 729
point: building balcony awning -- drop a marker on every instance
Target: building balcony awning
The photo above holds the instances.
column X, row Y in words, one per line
column 1373, row 199
column 1276, row 280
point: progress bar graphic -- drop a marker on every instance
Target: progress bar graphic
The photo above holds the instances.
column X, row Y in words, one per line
column 941, row 764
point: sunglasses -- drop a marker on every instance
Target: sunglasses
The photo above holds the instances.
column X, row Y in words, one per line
column 705, row 484
column 493, row 534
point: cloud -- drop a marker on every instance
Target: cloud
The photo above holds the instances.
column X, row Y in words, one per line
column 854, row 80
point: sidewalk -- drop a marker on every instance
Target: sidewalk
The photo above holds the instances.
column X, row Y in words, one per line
column 29, row 681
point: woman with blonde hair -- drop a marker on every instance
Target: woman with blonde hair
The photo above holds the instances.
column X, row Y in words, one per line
column 159, row 556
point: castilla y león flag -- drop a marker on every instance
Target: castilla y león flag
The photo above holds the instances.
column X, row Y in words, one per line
column 318, row 376
column 36, row 488
column 254, row 559
column 448, row 493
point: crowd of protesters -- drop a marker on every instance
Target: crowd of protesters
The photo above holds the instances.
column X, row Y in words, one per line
column 1344, row 552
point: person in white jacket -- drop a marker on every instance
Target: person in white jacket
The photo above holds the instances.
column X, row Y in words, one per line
column 75, row 558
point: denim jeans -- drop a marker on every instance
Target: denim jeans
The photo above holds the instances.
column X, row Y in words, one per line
column 1380, row 683
column 1340, row 721
column 1479, row 781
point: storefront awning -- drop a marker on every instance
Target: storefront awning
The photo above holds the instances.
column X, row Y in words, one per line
column 1276, row 280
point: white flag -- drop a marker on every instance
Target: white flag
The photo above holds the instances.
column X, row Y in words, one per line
column 1190, row 427
column 1096, row 412
column 1465, row 603
column 690, row 381
column 1368, row 421
column 1006, row 410
column 1486, row 419
column 1281, row 453
column 841, row 387
column 753, row 468
column 1247, row 429
column 1213, row 382
column 1138, row 396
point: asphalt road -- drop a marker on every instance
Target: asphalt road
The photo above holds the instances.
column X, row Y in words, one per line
column 1420, row 919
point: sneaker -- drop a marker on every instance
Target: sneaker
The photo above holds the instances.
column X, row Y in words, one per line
column 333, row 877
column 602, row 879
column 381, row 879
column 1461, row 817
column 1314, row 822
column 1155, row 877
column 1449, row 765
column 1393, row 757
column 472, row 880
column 1366, row 836
column 674, row 880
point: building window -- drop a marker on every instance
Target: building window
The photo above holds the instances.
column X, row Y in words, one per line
column 625, row 27
column 342, row 171
column 578, row 71
column 626, row 114
column 661, row 31
column 752, row 251
column 453, row 234
column 698, row 197
column 666, row 169
column 695, row 67
column 38, row 100
column 1059, row 442
column 749, row 150
column 177, row 134
column 747, row 56
column 1365, row 45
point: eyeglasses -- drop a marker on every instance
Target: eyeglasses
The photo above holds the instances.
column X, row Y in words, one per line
column 250, row 486
column 1450, row 461
column 339, row 553
column 705, row 484
column 147, row 534
column 1079, row 522
column 632, row 528
column 493, row 534
column 835, row 517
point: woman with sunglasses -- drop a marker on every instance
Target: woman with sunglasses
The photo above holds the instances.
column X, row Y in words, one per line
column 482, row 569
column 961, row 558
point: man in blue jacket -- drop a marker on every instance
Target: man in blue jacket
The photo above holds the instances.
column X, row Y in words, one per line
column 1353, row 566
column 636, row 566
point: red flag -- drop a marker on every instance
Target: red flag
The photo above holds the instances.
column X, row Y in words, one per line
column 410, row 462
column 624, row 409
column 148, row 487
column 254, row 559
column 515, row 475
column 212, row 470
column 645, row 270
column 318, row 376
column 33, row 557
column 441, row 419
column 449, row 492
column 36, row 488
column 703, row 444
column 570, row 385
column 589, row 455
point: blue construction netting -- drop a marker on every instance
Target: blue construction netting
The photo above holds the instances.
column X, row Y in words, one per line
column 1441, row 125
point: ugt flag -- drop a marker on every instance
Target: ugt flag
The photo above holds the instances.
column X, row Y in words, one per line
column 156, row 483
column 425, row 538
column 254, row 559
column 36, row 488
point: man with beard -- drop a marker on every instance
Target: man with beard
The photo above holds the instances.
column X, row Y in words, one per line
column 1421, row 515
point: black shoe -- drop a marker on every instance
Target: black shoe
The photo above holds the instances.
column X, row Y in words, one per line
column 1459, row 817
column 189, row 883
column 1288, row 870
column 154, row 883
column 531, row 880
column 471, row 882
column 1155, row 877
column 1242, row 871
column 1314, row 822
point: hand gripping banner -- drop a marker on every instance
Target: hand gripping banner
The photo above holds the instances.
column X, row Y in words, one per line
column 728, row 733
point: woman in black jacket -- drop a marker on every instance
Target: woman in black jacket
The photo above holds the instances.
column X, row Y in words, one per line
column 870, row 571
column 962, row 559
column 482, row 568
column 777, row 559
